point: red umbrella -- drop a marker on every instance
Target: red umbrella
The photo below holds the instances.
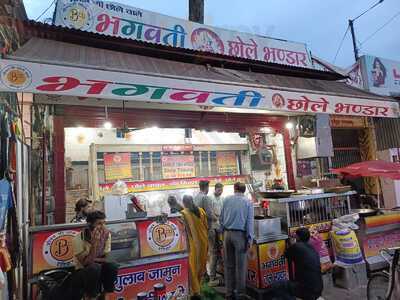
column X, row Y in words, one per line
column 378, row 168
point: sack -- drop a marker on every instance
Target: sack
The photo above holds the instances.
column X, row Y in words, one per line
column 346, row 247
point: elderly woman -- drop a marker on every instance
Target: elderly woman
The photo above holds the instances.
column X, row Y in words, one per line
column 174, row 206
column 197, row 230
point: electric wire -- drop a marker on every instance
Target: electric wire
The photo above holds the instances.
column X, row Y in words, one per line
column 46, row 10
column 341, row 44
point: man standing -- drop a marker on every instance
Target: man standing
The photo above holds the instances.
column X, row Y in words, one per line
column 213, row 241
column 203, row 201
column 82, row 207
column 237, row 223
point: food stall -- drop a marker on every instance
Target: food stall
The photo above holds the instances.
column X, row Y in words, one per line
column 149, row 251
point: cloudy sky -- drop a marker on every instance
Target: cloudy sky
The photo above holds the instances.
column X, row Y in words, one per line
column 320, row 24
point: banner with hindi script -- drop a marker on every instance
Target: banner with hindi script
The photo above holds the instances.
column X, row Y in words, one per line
column 21, row 76
column 114, row 19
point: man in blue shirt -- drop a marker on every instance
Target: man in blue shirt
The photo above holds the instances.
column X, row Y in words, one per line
column 237, row 223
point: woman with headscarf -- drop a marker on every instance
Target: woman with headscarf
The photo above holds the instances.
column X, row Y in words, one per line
column 197, row 230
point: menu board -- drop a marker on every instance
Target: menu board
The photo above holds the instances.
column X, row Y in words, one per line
column 227, row 163
column 117, row 166
column 178, row 166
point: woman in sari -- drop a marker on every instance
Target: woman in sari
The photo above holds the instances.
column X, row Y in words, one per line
column 197, row 230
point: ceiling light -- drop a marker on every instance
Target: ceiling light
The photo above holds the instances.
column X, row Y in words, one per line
column 107, row 125
column 289, row 125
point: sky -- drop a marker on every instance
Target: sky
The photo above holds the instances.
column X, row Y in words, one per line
column 320, row 24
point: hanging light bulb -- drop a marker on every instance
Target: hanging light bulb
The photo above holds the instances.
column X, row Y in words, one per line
column 289, row 125
column 107, row 125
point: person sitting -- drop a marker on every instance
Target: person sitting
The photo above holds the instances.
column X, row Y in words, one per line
column 307, row 283
column 174, row 206
column 93, row 274
column 195, row 220
column 82, row 207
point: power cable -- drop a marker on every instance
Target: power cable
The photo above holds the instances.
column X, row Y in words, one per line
column 341, row 44
column 380, row 28
column 46, row 10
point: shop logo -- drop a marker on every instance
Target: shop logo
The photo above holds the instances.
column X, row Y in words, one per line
column 273, row 251
column 58, row 250
column 117, row 158
column 77, row 16
column 163, row 237
column 204, row 39
column 278, row 101
column 16, row 77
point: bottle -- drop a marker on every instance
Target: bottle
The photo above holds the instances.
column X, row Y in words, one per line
column 141, row 296
column 160, row 291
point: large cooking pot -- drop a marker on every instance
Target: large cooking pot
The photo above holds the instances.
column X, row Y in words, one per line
column 365, row 212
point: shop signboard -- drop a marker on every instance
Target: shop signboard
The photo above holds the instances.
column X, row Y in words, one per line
column 177, row 148
column 347, row 122
column 383, row 75
column 227, row 163
column 172, row 184
column 173, row 274
column 20, row 76
column 158, row 237
column 52, row 249
column 178, row 166
column 61, row 80
column 273, row 265
column 117, row 166
column 113, row 19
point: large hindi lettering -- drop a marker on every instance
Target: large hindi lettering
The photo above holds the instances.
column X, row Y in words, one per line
column 109, row 18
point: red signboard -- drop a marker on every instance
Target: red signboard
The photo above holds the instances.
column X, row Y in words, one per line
column 117, row 166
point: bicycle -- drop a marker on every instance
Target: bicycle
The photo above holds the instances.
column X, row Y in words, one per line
column 382, row 285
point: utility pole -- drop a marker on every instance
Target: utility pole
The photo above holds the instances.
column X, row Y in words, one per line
column 353, row 36
column 351, row 25
column 196, row 11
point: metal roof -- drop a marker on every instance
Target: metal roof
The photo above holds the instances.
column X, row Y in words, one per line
column 61, row 53
column 31, row 29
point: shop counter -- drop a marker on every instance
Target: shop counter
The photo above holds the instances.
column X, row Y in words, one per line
column 377, row 233
column 266, row 261
column 148, row 251
column 316, row 211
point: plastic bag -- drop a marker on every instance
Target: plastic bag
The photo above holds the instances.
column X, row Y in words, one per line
column 319, row 245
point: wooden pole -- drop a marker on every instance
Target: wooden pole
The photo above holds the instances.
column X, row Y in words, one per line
column 196, row 11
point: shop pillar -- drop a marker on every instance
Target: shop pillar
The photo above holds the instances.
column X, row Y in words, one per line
column 59, row 174
column 288, row 157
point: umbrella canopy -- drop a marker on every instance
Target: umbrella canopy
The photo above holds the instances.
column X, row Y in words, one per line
column 378, row 168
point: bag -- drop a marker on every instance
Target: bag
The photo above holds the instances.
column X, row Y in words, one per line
column 319, row 245
column 346, row 247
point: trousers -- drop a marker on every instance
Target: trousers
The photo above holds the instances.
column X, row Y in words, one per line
column 235, row 262
column 90, row 281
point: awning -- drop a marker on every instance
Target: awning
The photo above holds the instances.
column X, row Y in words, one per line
column 50, row 67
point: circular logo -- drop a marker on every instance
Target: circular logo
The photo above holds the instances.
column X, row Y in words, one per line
column 77, row 16
column 273, row 251
column 278, row 101
column 58, row 250
column 16, row 77
column 162, row 237
column 204, row 39
column 117, row 158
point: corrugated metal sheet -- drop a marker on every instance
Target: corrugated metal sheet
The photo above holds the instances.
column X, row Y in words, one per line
column 54, row 52
column 387, row 133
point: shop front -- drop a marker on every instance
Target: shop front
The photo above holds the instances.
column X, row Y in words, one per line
column 156, row 127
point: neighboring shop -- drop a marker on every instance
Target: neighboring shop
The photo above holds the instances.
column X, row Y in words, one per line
column 153, row 120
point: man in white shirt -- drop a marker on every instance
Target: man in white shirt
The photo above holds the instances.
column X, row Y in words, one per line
column 213, row 237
